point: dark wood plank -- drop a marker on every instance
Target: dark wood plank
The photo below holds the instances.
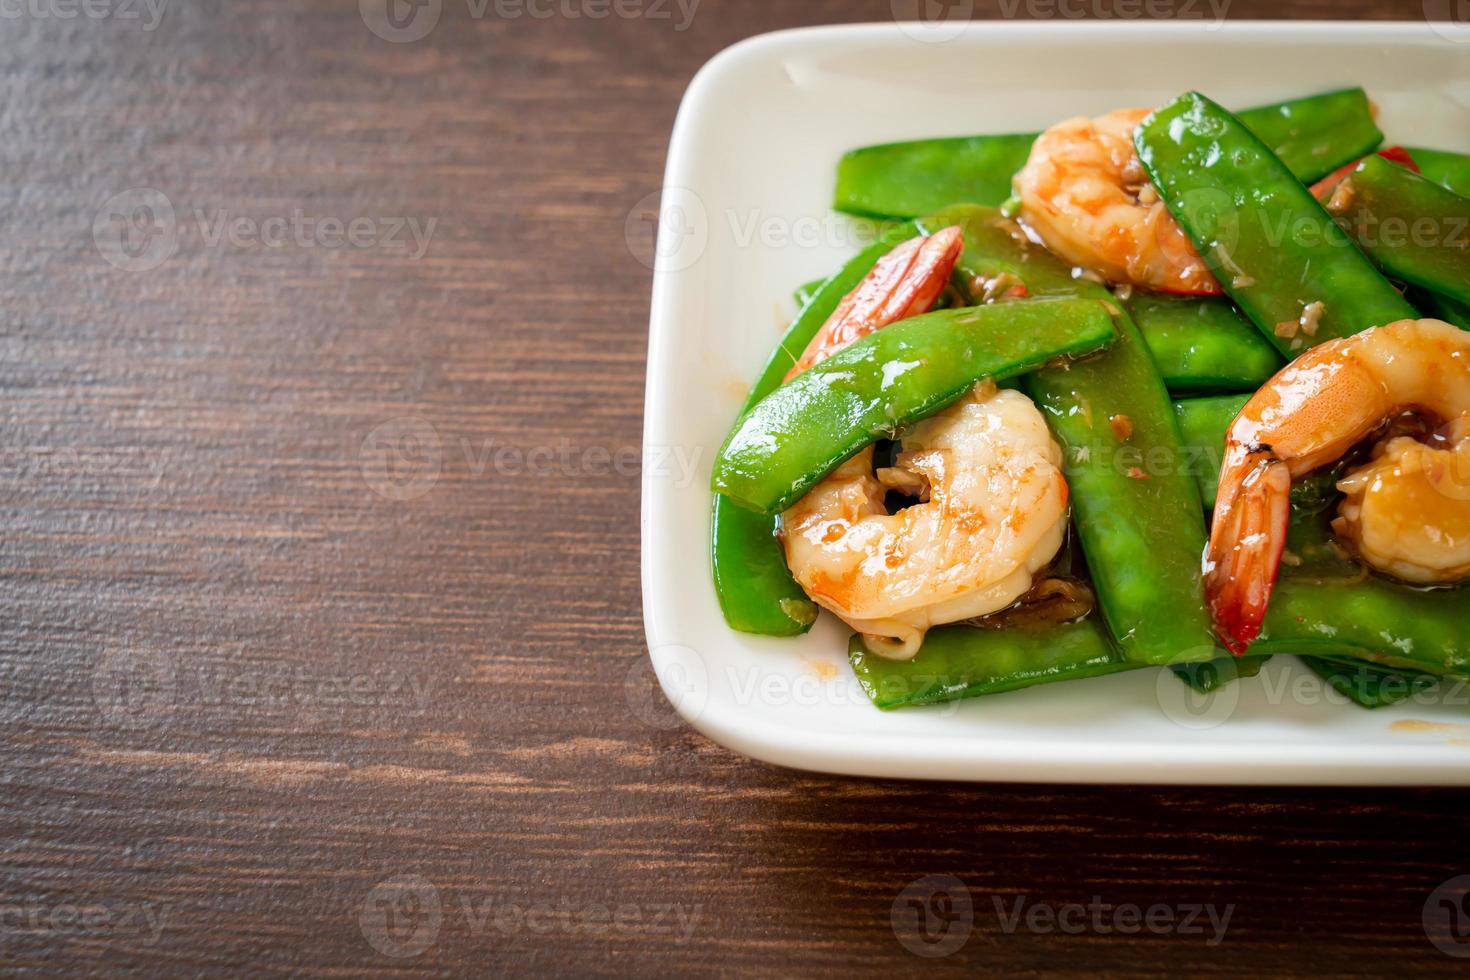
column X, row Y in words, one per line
column 328, row 688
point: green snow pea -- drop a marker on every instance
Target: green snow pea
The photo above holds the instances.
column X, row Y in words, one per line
column 756, row 591
column 806, row 291
column 791, row 439
column 1269, row 242
column 1368, row 686
column 1316, row 135
column 1202, row 344
column 1412, row 227
column 964, row 662
column 1369, row 619
column 1326, row 607
column 958, row 662
column 1448, row 169
column 915, row 178
column 1313, row 136
column 1202, row 423
column 1211, row 675
column 1138, row 514
column 1442, row 308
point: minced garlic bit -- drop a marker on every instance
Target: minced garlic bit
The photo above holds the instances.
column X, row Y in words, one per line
column 1308, row 323
column 1289, row 557
column 1312, row 317
column 1124, row 291
column 1243, row 282
column 1122, row 426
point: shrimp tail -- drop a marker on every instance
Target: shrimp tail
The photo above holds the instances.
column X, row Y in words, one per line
column 1247, row 538
column 904, row 283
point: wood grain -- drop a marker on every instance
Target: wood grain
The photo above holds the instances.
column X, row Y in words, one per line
column 241, row 687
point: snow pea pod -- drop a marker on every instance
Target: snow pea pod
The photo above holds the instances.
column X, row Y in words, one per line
column 1202, row 345
column 915, row 178
column 1370, row 619
column 1141, row 525
column 806, row 291
column 965, row 662
column 1211, row 675
column 1368, row 686
column 1316, row 135
column 1202, row 423
column 1271, row 245
column 1442, row 308
column 1313, row 136
column 1445, row 168
column 802, row 431
column 1327, row 607
column 756, row 591
column 1412, row 227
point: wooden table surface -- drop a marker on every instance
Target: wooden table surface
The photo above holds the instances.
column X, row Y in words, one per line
column 323, row 364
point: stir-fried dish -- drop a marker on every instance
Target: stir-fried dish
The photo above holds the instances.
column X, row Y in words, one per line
column 1176, row 387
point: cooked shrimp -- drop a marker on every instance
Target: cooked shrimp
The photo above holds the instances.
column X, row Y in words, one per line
column 1312, row 412
column 994, row 507
column 1084, row 191
column 993, row 513
column 1407, row 513
column 904, row 283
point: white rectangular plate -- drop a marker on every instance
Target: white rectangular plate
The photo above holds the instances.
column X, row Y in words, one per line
column 746, row 219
